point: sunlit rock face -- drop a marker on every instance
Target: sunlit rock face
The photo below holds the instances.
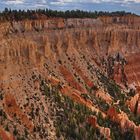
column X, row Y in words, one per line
column 65, row 50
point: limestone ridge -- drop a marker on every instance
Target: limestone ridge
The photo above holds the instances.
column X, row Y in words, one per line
column 95, row 62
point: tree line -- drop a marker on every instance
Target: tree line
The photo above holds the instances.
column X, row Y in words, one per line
column 18, row 15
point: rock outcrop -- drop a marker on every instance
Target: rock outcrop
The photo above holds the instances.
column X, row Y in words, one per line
column 67, row 53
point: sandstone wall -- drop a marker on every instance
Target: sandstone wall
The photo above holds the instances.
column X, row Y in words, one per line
column 33, row 41
column 38, row 46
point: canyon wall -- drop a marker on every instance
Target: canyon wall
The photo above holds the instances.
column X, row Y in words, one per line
column 33, row 41
column 71, row 50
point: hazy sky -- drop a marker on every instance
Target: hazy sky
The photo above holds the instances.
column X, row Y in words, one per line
column 103, row 5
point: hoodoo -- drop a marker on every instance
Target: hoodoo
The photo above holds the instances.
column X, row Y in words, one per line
column 61, row 78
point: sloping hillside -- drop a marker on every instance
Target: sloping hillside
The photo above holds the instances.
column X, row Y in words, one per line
column 62, row 78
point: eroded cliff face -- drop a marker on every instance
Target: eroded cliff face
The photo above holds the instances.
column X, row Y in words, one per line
column 72, row 51
column 131, row 21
